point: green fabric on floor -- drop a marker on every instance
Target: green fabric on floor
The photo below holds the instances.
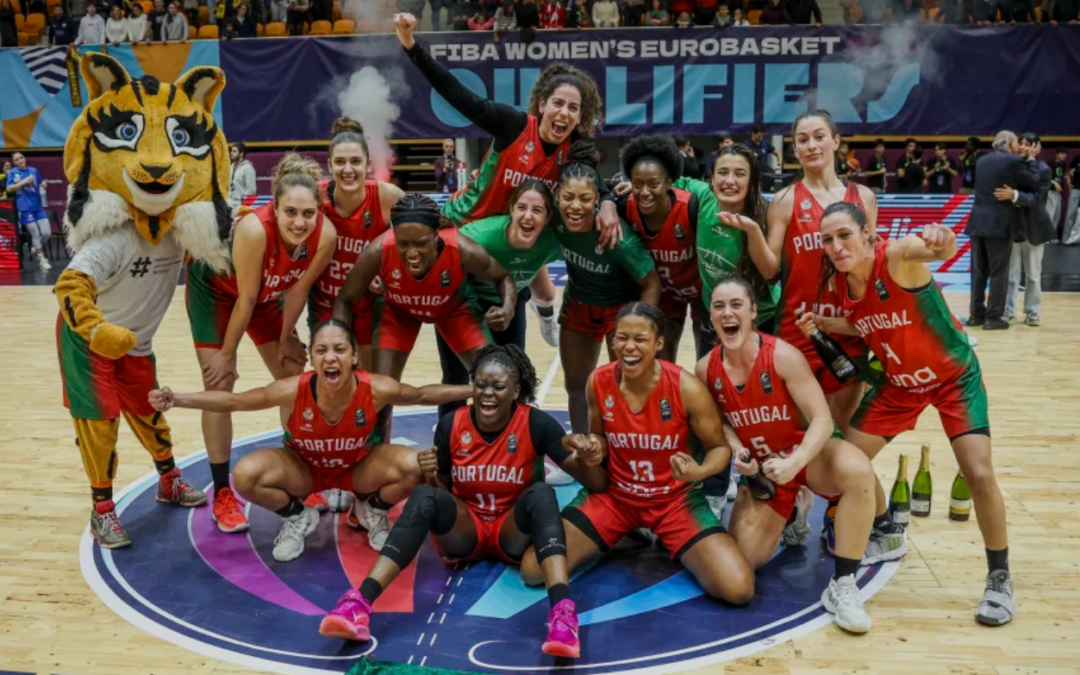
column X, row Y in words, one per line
column 366, row 666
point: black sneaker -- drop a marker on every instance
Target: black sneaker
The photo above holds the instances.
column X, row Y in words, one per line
column 973, row 321
column 996, row 324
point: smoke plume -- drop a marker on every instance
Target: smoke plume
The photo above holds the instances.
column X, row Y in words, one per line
column 368, row 99
column 895, row 48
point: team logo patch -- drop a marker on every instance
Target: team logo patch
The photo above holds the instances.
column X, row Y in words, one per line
column 444, row 279
column 599, row 249
column 360, row 418
column 665, row 410
column 679, row 232
column 511, row 444
column 395, row 274
column 718, row 384
column 806, row 204
column 530, row 146
column 609, row 402
column 308, row 415
column 466, row 438
column 766, row 383
column 882, row 292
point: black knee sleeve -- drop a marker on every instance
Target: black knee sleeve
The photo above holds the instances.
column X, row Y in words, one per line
column 428, row 510
column 537, row 513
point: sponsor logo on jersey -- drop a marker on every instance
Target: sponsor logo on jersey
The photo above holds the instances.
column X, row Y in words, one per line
column 444, row 279
column 609, row 402
column 766, row 383
column 665, row 410
column 609, row 416
column 518, row 261
column 524, row 159
column 466, row 438
column 679, row 232
column 882, row 292
column 361, row 418
column 511, row 444
column 308, row 415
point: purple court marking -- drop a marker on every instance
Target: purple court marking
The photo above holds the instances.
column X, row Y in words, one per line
column 233, row 557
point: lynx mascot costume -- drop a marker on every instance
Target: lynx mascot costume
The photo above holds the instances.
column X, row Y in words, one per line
column 148, row 172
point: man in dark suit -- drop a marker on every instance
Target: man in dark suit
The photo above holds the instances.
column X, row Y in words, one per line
column 1038, row 229
column 994, row 226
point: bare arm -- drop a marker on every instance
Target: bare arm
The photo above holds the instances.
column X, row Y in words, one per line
column 908, row 256
column 249, row 248
column 778, row 216
column 389, row 194
column 280, row 393
column 705, row 423
column 297, row 294
column 651, row 288
column 359, row 279
column 388, row 391
column 595, row 473
column 792, row 367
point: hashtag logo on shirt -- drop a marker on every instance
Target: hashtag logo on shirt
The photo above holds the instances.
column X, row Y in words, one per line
column 140, row 267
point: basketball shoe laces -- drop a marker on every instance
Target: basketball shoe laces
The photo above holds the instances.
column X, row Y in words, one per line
column 848, row 594
column 178, row 487
column 112, row 521
column 565, row 616
column 228, row 502
column 292, row 529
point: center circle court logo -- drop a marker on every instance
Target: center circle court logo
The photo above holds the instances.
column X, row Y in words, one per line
column 224, row 595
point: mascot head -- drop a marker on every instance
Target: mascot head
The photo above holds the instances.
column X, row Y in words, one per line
column 151, row 153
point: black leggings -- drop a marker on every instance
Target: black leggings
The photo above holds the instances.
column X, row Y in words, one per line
column 453, row 372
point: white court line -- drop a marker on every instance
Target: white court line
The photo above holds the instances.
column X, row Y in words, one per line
column 545, row 386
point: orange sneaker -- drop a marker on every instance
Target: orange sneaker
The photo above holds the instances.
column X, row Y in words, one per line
column 317, row 501
column 228, row 514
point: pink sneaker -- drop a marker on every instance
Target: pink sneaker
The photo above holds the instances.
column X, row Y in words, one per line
column 351, row 619
column 562, row 639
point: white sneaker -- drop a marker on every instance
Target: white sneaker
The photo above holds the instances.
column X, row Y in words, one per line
column 716, row 505
column 289, row 543
column 339, row 501
column 376, row 521
column 798, row 531
column 549, row 326
column 43, row 262
column 733, row 486
column 556, row 476
column 843, row 599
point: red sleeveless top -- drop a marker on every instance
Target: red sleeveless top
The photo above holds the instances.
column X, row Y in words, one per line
column 355, row 232
column 489, row 477
column 920, row 343
column 800, row 272
column 434, row 296
column 331, row 446
column 674, row 247
column 762, row 412
column 641, row 444
column 280, row 270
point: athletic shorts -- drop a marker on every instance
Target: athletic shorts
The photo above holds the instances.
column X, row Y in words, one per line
column 887, row 410
column 463, row 329
column 607, row 517
column 100, row 388
column 784, row 500
column 674, row 308
column 30, row 217
column 363, row 324
column 487, row 541
column 596, row 322
column 824, row 376
column 209, row 309
column 330, row 479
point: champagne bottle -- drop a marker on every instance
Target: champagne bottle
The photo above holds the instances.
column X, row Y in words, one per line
column 960, row 499
column 900, row 497
column 832, row 354
column 923, row 487
column 761, row 486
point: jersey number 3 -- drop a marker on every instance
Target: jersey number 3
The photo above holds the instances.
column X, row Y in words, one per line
column 643, row 472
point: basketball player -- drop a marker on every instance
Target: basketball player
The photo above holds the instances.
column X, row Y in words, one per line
column 278, row 251
column 25, row 183
column 333, row 410
column 778, row 424
column 642, row 412
column 602, row 279
column 890, row 299
column 489, row 501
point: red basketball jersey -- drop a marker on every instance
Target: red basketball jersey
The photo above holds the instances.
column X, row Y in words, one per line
column 674, row 247
column 920, row 343
column 355, row 232
column 761, row 411
column 490, row 477
column 800, row 272
column 434, row 296
column 280, row 269
column 325, row 445
column 641, row 444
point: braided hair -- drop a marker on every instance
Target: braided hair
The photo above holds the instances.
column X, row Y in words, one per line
column 416, row 208
column 649, row 312
column 514, row 361
column 559, row 74
column 659, row 149
column 581, row 162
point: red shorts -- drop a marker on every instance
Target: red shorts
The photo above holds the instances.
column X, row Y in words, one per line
column 887, row 410
column 824, row 376
column 463, row 329
column 679, row 522
column 329, row 479
column 596, row 322
column 487, row 541
column 209, row 311
column 784, row 501
column 674, row 308
column 363, row 323
column 99, row 388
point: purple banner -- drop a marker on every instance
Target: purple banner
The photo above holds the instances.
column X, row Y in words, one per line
column 924, row 80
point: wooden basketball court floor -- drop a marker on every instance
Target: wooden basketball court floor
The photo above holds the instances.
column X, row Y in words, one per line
column 51, row 622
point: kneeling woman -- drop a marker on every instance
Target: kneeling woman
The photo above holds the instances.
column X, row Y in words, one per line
column 491, row 501
column 334, row 411
column 642, row 412
column 778, row 422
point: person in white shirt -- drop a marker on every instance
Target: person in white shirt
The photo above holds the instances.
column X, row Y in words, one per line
column 91, row 28
column 242, row 183
column 116, row 28
column 138, row 26
column 605, row 14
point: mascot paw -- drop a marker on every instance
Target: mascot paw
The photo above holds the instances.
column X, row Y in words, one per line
column 112, row 341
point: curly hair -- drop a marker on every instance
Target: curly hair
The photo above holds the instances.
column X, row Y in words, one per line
column 516, row 362
column 659, row 149
column 415, row 207
column 346, row 130
column 296, row 171
column 559, row 74
column 581, row 162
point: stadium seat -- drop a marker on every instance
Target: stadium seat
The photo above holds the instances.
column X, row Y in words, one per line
column 319, row 28
column 35, row 23
column 276, row 29
column 259, row 30
column 207, row 33
column 344, row 27
column 204, row 16
column 753, row 15
column 20, row 21
column 23, row 39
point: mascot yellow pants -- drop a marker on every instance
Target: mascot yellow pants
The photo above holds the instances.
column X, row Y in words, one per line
column 102, row 382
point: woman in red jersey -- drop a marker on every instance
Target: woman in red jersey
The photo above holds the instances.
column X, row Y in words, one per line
column 359, row 208
column 891, row 301
column 333, row 410
column 488, row 500
column 642, row 412
column 778, row 424
column 278, row 251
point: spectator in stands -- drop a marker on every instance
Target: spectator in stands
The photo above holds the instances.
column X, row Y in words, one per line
column 691, row 165
column 775, row 14
column 1021, row 11
column 242, row 182
column 633, row 12
column 941, row 170
column 175, row 26
column 684, row 21
column 725, row 141
column 1038, row 229
column 460, row 12
column 577, row 16
column 528, row 19
column 1064, row 11
column 909, row 169
column 968, row 159
column 723, row 17
column 91, row 28
column 297, row 15
column 876, row 167
column 489, row 8
column 763, row 149
column 804, row 12
column 847, row 167
column 9, row 33
column 705, row 12
column 191, row 11
column 245, row 26
column 554, row 15
column 279, row 11
column 446, row 166
column 505, row 19
column 478, row 22
column 657, row 16
column 605, row 14
column 905, row 11
column 116, row 30
column 138, row 26
column 61, row 30
column 1058, row 171
column 740, row 19
column 228, row 30
column 156, row 18
column 1070, row 231
column 5, row 169
column 955, row 12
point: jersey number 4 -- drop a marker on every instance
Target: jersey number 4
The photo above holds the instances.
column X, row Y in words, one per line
column 643, row 472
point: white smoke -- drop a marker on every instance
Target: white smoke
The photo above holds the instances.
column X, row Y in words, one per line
column 896, row 47
column 369, row 100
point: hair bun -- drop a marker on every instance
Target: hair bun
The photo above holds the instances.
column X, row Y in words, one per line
column 583, row 152
column 346, row 124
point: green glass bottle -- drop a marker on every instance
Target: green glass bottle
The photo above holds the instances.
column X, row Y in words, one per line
column 960, row 499
column 923, row 487
column 900, row 497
